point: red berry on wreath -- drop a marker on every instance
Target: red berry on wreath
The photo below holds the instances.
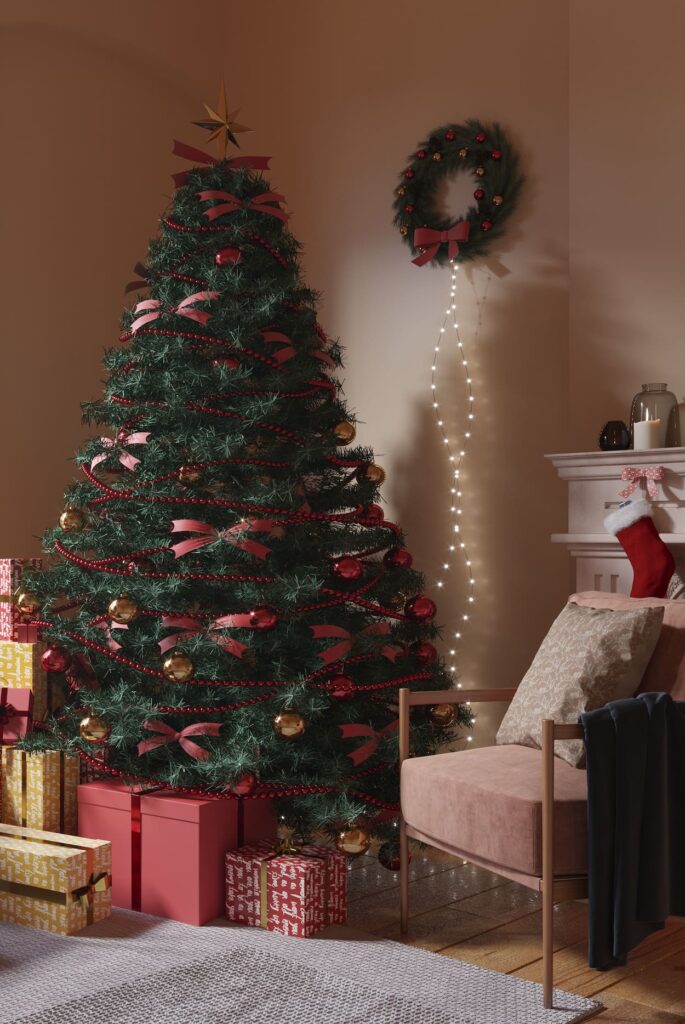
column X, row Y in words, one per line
column 450, row 135
column 245, row 784
column 423, row 652
column 420, row 608
column 341, row 687
column 480, row 137
column 263, row 617
column 347, row 568
column 55, row 659
column 374, row 512
column 496, row 154
column 486, row 225
column 409, row 173
column 398, row 558
column 479, row 194
column 408, row 208
column 420, row 154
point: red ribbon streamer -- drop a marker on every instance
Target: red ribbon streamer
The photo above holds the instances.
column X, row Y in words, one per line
column 183, row 309
column 170, row 735
column 366, row 750
column 198, row 156
column 339, row 651
column 260, row 204
column 125, row 458
column 431, row 240
column 191, row 627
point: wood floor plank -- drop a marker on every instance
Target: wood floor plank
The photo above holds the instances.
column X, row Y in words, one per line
column 437, row 929
column 503, row 903
column 624, row 1011
column 662, row 984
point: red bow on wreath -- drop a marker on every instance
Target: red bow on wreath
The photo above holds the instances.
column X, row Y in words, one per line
column 430, row 241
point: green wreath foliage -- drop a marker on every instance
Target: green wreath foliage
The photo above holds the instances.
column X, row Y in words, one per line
column 482, row 150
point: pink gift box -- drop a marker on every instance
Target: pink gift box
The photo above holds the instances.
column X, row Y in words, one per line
column 12, row 625
column 294, row 894
column 16, row 708
column 168, row 850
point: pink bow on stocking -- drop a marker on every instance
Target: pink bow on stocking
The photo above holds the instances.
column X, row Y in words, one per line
column 232, row 535
column 169, row 735
column 125, row 458
column 650, row 474
column 184, row 308
column 366, row 750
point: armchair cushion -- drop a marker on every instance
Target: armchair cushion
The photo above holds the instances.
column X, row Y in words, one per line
column 589, row 657
column 487, row 804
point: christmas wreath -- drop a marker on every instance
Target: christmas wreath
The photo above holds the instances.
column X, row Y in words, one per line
column 485, row 152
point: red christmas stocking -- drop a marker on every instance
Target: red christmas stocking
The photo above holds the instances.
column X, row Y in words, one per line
column 652, row 562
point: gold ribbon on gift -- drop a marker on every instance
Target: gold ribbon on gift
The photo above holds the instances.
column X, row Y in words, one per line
column 85, row 895
column 6, row 598
column 285, row 848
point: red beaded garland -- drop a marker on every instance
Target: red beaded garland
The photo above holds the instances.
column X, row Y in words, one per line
column 420, row 608
column 55, row 659
column 341, row 687
column 245, row 784
column 480, row 137
column 424, row 652
column 398, row 558
column 263, row 617
column 479, row 194
column 347, row 568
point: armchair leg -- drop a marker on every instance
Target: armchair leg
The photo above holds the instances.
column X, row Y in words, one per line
column 548, row 947
column 548, row 863
column 404, row 879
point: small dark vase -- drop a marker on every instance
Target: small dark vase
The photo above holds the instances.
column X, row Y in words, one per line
column 615, row 437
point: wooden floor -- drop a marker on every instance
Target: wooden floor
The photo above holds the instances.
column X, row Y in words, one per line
column 462, row 911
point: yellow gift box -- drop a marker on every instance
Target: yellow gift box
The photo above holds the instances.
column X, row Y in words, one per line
column 39, row 789
column 53, row 882
column 20, row 666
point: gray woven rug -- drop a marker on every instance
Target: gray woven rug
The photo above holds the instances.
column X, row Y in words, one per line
column 135, row 969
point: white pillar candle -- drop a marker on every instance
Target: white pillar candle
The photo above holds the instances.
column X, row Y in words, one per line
column 647, row 434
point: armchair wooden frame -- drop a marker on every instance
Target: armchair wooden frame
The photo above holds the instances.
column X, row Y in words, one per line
column 554, row 888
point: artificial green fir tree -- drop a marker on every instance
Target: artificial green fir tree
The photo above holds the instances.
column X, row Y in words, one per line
column 233, row 612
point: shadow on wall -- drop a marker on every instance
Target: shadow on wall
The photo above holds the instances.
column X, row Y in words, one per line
column 512, row 499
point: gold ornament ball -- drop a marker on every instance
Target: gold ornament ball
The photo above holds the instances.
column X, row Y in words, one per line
column 123, row 609
column 404, row 230
column 189, row 475
column 437, row 156
column 372, row 473
column 353, row 841
column 442, row 714
column 497, row 200
column 401, row 191
column 27, row 603
column 344, row 432
column 94, row 729
column 480, row 171
column 289, row 724
column 178, row 667
column 463, row 152
column 72, row 520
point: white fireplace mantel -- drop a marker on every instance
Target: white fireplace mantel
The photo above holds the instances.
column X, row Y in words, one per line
column 594, row 482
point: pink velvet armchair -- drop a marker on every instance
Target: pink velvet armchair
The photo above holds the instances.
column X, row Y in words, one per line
column 518, row 811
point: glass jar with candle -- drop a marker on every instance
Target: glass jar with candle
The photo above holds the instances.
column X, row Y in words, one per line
column 654, row 419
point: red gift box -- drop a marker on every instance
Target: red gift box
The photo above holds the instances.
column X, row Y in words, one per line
column 12, row 625
column 168, row 850
column 16, row 708
column 296, row 893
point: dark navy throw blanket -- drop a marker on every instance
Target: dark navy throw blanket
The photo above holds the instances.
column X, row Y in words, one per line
column 636, row 822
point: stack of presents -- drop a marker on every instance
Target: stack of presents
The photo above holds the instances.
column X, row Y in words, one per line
column 70, row 849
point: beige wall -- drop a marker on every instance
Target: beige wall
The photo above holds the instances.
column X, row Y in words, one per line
column 340, row 93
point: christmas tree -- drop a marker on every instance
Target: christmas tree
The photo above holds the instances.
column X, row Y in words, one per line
column 232, row 611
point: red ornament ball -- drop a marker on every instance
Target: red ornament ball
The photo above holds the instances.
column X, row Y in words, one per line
column 398, row 558
column 225, row 257
column 480, row 137
column 347, row 568
column 450, row 135
column 496, row 154
column 341, row 687
column 244, row 785
column 408, row 207
column 479, row 194
column 374, row 512
column 263, row 617
column 420, row 153
column 409, row 173
column 389, row 856
column 424, row 652
column 230, row 362
column 420, row 608
column 55, row 659
column 486, row 225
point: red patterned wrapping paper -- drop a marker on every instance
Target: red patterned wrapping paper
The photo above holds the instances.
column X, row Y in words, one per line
column 284, row 893
column 336, row 882
column 12, row 626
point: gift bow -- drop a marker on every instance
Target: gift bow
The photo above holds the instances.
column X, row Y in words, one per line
column 169, row 735
column 191, row 627
column 96, row 883
column 260, row 204
column 339, row 651
column 650, row 474
column 125, row 458
column 431, row 240
column 232, row 535
column 255, row 163
column 183, row 309
column 365, row 751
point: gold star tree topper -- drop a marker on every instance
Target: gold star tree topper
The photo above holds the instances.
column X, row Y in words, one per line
column 221, row 124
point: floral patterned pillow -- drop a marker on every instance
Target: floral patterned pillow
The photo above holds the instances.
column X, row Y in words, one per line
column 589, row 657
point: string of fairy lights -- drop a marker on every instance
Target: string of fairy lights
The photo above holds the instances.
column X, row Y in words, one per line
column 456, row 450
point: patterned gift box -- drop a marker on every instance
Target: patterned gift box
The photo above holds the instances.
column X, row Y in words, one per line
column 53, row 882
column 12, row 625
column 288, row 893
column 20, row 666
column 336, row 880
column 39, row 789
column 16, row 713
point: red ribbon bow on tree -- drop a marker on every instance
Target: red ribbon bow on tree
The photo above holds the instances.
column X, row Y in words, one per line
column 366, row 750
column 107, row 627
column 170, row 735
column 183, row 309
column 232, row 535
column 191, row 627
column 254, row 163
column 431, row 240
column 275, row 337
column 260, row 204
column 339, row 651
column 125, row 458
